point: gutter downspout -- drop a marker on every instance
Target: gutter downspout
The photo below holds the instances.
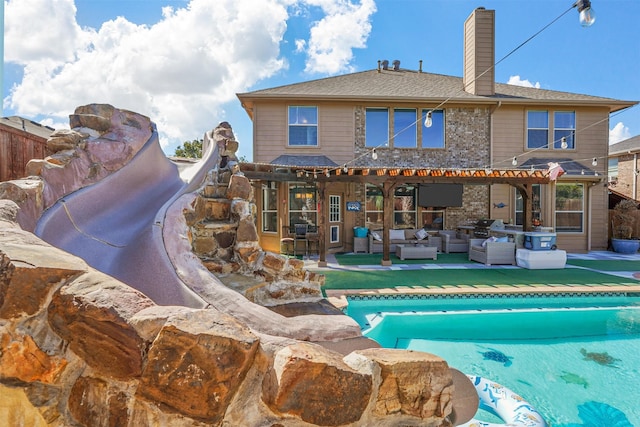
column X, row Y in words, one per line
column 635, row 176
column 491, row 111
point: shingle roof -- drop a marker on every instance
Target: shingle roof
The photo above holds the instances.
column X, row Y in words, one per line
column 570, row 166
column 303, row 160
column 419, row 86
column 628, row 145
column 27, row 126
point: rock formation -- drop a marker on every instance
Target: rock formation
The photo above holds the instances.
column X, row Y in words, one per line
column 80, row 347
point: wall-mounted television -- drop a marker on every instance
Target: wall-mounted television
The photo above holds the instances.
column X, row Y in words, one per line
column 440, row 195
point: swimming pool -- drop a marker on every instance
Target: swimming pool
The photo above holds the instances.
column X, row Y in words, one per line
column 574, row 357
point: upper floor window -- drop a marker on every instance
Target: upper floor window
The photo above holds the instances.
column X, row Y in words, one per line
column 303, row 126
column 537, row 129
column 404, row 128
column 376, row 127
column 433, row 136
column 564, row 126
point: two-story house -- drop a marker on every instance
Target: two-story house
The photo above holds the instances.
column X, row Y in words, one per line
column 434, row 150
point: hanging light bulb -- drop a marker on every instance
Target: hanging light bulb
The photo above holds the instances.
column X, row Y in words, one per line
column 327, row 174
column 428, row 121
column 315, row 174
column 344, row 168
column 374, row 155
column 532, row 169
column 563, row 143
column 514, row 162
column 587, row 14
column 594, row 162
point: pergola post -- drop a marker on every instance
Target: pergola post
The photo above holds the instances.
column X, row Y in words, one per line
column 525, row 191
column 388, row 194
column 322, row 246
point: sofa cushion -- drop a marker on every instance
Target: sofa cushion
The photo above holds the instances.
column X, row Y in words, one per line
column 421, row 234
column 396, row 234
column 490, row 239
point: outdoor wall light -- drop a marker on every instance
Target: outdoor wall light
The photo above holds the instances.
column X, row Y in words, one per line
column 374, row 155
column 428, row 121
column 587, row 14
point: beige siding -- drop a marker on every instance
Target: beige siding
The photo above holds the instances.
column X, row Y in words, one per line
column 335, row 132
column 479, row 53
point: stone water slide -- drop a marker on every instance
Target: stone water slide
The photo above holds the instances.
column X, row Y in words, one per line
column 131, row 226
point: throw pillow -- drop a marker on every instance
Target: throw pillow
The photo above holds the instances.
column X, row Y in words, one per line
column 421, row 234
column 490, row 239
column 502, row 239
column 396, row 234
column 376, row 236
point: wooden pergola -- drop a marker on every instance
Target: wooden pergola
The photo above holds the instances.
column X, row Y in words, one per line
column 388, row 178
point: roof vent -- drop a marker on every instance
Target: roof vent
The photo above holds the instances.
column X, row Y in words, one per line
column 385, row 64
column 396, row 65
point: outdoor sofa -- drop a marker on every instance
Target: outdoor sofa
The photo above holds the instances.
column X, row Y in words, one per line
column 490, row 251
column 397, row 237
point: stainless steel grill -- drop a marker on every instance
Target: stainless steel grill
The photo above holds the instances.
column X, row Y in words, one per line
column 481, row 228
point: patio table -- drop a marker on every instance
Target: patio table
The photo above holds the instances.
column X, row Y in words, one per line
column 416, row 252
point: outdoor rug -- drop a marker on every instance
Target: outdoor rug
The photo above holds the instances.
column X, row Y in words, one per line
column 446, row 278
column 376, row 259
column 606, row 264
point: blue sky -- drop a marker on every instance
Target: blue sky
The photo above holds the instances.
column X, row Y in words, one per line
column 182, row 62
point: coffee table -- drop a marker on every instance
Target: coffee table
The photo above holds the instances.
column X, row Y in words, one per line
column 416, row 252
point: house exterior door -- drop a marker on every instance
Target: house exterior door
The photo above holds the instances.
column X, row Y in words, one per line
column 335, row 236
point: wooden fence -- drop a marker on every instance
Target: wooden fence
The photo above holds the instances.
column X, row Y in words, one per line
column 17, row 147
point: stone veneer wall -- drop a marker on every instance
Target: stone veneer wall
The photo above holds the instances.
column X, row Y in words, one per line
column 467, row 145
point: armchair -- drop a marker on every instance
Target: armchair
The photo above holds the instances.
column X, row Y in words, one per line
column 492, row 252
column 452, row 241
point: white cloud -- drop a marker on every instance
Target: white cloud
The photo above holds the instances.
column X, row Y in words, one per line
column 346, row 26
column 182, row 71
column 179, row 71
column 517, row 81
column 619, row 133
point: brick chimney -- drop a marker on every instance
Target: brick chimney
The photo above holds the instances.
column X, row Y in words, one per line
column 479, row 52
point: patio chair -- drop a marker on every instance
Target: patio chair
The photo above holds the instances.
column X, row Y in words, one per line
column 452, row 241
column 286, row 242
column 300, row 238
column 490, row 253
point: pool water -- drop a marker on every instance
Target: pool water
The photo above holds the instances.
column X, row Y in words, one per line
column 576, row 359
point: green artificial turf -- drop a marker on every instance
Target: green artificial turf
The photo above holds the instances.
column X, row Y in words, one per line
column 376, row 259
column 507, row 277
column 606, row 265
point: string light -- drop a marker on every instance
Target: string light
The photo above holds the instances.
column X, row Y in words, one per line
column 327, row 174
column 594, row 162
column 428, row 121
column 514, row 162
column 563, row 143
column 344, row 168
column 374, row 154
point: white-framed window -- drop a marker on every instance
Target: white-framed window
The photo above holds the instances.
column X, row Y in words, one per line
column 303, row 208
column 334, row 233
column 269, row 207
column 537, row 129
column 404, row 128
column 376, row 127
column 334, row 209
column 404, row 207
column 564, row 126
column 303, row 125
column 433, row 136
column 569, row 208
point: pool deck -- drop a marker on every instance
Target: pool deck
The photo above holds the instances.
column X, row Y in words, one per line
column 338, row 296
